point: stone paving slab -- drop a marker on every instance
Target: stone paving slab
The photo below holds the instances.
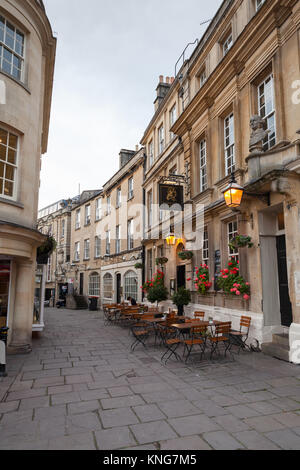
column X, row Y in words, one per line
column 92, row 392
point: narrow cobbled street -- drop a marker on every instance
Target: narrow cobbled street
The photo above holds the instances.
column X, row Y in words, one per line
column 82, row 388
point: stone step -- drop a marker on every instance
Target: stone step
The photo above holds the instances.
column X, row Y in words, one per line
column 275, row 350
column 282, row 340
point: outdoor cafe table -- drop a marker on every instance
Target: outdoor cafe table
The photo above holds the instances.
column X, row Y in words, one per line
column 183, row 327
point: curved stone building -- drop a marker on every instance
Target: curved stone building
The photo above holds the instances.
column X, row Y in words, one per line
column 27, row 56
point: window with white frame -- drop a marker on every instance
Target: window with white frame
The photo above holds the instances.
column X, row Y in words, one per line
column 118, row 239
column 130, row 188
column 87, row 217
column 11, row 49
column 86, row 249
column 266, row 109
column 161, row 139
column 119, row 197
column 202, row 78
column 8, row 163
column 77, row 251
column 229, row 144
column 227, row 44
column 98, row 209
column 150, row 213
column 151, row 154
column 97, row 247
column 107, row 239
column 77, row 220
column 108, row 286
column 205, row 249
column 173, row 117
column 94, row 284
column 232, row 230
column 203, row 165
column 108, row 205
column 130, row 242
column 131, row 285
column 259, row 4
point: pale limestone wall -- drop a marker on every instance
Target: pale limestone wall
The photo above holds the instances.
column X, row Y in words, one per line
column 26, row 112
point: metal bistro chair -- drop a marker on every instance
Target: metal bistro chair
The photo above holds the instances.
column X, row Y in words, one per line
column 199, row 315
column 239, row 338
column 170, row 340
column 221, row 336
column 198, row 337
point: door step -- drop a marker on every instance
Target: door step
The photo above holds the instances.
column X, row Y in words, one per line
column 279, row 348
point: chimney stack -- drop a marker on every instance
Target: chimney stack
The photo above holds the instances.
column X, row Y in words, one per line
column 162, row 89
column 125, row 156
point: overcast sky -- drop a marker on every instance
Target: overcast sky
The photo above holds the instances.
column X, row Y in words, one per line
column 109, row 57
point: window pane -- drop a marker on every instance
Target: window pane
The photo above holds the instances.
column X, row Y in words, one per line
column 11, row 157
column 2, row 152
column 8, row 189
column 3, row 137
column 9, row 174
column 1, row 170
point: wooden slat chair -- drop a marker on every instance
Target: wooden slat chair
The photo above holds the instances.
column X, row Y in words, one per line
column 198, row 337
column 109, row 313
column 239, row 338
column 220, row 336
column 199, row 315
column 127, row 316
column 140, row 333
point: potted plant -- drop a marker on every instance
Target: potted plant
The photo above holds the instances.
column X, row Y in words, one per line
column 139, row 266
column 202, row 282
column 186, row 255
column 157, row 293
column 45, row 250
column 161, row 261
column 240, row 241
column 232, row 283
column 181, row 298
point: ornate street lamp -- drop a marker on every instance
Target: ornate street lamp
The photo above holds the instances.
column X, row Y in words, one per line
column 171, row 239
column 233, row 194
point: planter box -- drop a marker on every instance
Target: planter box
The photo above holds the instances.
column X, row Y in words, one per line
column 219, row 299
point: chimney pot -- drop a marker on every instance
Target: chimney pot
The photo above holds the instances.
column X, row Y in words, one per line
column 167, row 79
column 172, row 80
column 161, row 79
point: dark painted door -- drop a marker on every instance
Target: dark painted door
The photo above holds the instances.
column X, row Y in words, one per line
column 118, row 288
column 285, row 304
column 81, row 284
column 181, row 277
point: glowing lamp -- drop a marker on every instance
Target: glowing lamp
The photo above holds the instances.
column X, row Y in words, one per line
column 233, row 194
column 171, row 239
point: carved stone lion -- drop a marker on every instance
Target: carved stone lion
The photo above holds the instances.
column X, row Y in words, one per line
column 259, row 133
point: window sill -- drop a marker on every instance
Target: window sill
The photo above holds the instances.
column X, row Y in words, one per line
column 11, row 202
column 16, row 81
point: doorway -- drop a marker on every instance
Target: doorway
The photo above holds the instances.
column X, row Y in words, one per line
column 181, row 276
column 81, row 281
column 285, row 303
column 118, row 288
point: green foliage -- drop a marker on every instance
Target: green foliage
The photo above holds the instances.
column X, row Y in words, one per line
column 139, row 266
column 157, row 293
column 161, row 261
column 182, row 297
column 48, row 247
column 185, row 255
column 240, row 241
column 231, row 282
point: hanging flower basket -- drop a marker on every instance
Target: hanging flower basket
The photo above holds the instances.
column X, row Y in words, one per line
column 139, row 266
column 186, row 255
column 45, row 250
column 240, row 241
column 161, row 261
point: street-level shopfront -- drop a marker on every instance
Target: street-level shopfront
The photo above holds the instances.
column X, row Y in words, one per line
column 5, row 280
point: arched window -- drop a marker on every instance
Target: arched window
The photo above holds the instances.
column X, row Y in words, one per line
column 94, row 284
column 131, row 285
column 108, row 286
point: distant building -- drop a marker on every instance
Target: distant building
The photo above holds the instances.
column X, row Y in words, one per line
column 27, row 57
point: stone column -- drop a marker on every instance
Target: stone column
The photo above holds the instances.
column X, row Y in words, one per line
column 23, row 311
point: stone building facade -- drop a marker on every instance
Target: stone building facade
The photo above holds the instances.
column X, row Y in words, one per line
column 27, row 57
column 121, row 229
column 246, row 64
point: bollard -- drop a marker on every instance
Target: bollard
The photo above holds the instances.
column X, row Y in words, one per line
column 3, row 341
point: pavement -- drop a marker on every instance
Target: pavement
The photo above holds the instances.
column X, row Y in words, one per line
column 82, row 388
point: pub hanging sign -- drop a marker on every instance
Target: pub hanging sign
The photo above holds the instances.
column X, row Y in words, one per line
column 171, row 197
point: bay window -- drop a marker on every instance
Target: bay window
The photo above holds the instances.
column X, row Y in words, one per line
column 11, row 49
